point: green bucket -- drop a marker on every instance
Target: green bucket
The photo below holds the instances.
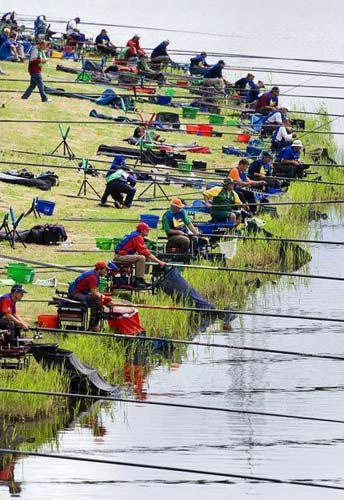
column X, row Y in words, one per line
column 104, row 243
column 216, row 119
column 184, row 166
column 232, row 122
column 190, row 112
column 170, row 92
column 116, row 241
column 20, row 272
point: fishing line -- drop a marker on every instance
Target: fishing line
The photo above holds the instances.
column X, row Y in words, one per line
column 166, row 468
column 170, row 405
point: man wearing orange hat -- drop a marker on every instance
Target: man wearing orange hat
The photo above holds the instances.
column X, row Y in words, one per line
column 132, row 250
column 85, row 289
column 181, row 233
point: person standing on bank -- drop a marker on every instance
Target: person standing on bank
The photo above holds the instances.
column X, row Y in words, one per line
column 37, row 59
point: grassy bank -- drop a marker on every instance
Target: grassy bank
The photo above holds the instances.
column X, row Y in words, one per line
column 218, row 287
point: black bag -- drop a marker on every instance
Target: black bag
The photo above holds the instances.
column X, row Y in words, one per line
column 47, row 234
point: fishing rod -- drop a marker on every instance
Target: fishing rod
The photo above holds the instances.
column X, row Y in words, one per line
column 191, row 309
column 276, row 203
column 60, row 456
column 169, row 405
column 168, row 340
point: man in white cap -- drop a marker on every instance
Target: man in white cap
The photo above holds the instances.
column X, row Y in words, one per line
column 289, row 158
column 160, row 55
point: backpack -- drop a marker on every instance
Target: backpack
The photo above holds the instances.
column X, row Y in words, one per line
column 47, row 234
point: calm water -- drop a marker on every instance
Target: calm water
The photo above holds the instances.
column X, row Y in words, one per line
column 278, row 448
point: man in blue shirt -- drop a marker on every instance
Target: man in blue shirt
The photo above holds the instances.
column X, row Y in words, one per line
column 180, row 231
column 199, row 64
column 104, row 44
column 261, row 170
column 213, row 76
column 160, row 55
column 289, row 161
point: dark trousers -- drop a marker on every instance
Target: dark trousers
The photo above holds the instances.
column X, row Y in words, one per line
column 13, row 329
column 116, row 189
column 185, row 243
column 91, row 302
column 103, row 49
column 36, row 81
column 247, row 196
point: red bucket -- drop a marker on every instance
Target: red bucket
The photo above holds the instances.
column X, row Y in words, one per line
column 206, row 130
column 126, row 324
column 47, row 320
column 182, row 83
column 192, row 129
column 243, row 138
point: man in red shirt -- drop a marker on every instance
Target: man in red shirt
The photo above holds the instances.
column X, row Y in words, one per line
column 134, row 49
column 37, row 59
column 9, row 318
column 85, row 289
column 132, row 250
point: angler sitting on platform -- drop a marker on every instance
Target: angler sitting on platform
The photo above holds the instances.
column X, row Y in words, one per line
column 119, row 181
column 242, row 181
column 160, row 55
column 133, row 49
column 73, row 31
column 243, row 85
column 283, row 136
column 213, row 76
column 180, row 231
column 268, row 101
column 261, row 168
column 145, row 70
column 225, row 204
column 290, row 164
column 85, row 289
column 132, row 250
column 273, row 120
column 199, row 61
column 9, row 318
column 104, row 45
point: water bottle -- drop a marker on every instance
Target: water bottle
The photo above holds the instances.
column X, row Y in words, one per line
column 142, row 81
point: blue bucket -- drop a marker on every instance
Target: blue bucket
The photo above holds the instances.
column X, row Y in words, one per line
column 163, row 100
column 45, row 207
column 151, row 220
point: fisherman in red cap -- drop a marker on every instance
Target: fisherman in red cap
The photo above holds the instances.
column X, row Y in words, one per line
column 85, row 289
column 132, row 250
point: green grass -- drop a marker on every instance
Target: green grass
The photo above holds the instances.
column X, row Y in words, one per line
column 222, row 288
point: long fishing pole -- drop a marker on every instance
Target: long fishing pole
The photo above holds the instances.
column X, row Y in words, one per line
column 60, row 456
column 168, row 405
column 186, row 342
column 174, row 308
column 273, row 204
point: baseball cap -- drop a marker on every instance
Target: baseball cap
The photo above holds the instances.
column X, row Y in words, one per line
column 297, row 143
column 142, row 226
column 228, row 181
column 18, row 288
column 177, row 202
column 101, row 264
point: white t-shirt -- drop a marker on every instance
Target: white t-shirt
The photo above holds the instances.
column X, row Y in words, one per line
column 282, row 134
column 275, row 119
column 71, row 26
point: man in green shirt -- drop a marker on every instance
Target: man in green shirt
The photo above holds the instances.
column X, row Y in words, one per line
column 225, row 203
column 180, row 231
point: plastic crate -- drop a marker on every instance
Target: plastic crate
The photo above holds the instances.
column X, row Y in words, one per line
column 104, row 243
column 216, row 119
column 184, row 166
column 190, row 112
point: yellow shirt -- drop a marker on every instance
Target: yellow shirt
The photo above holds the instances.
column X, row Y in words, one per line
column 215, row 191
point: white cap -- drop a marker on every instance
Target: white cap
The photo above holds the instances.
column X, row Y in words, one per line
column 297, row 143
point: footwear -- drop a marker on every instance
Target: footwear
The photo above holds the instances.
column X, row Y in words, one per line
column 118, row 204
column 95, row 329
column 140, row 284
column 47, row 100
